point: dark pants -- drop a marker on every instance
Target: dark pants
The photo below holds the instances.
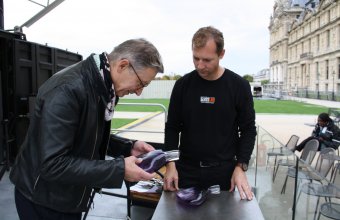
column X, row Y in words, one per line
column 304, row 142
column 190, row 175
column 27, row 210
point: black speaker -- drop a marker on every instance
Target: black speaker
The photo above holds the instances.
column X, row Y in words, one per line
column 2, row 148
column 1, row 15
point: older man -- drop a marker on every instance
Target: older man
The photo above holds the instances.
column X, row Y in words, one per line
column 63, row 156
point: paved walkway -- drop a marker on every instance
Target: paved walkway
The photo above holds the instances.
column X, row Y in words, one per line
column 151, row 127
column 329, row 104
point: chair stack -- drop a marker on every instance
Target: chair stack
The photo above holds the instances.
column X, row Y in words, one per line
column 332, row 190
column 307, row 156
column 323, row 181
column 285, row 151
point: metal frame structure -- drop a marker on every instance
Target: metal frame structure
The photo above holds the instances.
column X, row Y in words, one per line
column 46, row 9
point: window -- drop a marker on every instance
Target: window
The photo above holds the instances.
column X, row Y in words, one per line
column 339, row 34
column 327, row 70
column 338, row 68
column 317, row 74
column 328, row 38
column 328, row 16
column 296, row 51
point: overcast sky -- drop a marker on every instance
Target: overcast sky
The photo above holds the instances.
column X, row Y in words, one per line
column 94, row 26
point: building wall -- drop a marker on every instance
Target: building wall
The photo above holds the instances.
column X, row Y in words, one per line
column 283, row 16
column 312, row 47
column 263, row 74
column 158, row 89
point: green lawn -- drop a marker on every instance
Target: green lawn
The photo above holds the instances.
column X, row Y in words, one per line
column 261, row 106
column 128, row 108
column 120, row 122
column 287, row 107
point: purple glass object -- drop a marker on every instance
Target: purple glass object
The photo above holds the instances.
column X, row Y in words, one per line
column 194, row 196
column 152, row 161
column 188, row 194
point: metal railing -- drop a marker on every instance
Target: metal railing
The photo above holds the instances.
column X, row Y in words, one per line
column 304, row 93
column 164, row 109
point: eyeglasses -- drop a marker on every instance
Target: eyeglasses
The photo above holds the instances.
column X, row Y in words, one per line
column 141, row 82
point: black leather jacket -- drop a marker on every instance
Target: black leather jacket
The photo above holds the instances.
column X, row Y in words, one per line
column 62, row 157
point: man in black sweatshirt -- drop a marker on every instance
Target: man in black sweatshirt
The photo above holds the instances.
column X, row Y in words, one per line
column 211, row 120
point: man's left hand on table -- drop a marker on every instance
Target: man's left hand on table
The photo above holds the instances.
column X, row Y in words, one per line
column 239, row 179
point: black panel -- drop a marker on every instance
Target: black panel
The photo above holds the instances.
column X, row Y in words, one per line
column 1, row 15
column 45, row 60
column 24, row 67
column 64, row 59
column 2, row 148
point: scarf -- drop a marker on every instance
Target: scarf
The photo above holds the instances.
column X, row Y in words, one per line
column 104, row 69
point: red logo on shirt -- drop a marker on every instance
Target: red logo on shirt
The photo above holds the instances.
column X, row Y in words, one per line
column 207, row 100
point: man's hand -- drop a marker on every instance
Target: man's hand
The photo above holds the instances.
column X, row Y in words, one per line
column 140, row 147
column 239, row 179
column 133, row 173
column 170, row 177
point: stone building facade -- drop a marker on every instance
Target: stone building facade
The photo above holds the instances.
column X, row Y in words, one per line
column 262, row 75
column 305, row 48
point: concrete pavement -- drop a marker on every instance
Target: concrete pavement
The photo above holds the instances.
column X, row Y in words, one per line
column 326, row 103
column 273, row 204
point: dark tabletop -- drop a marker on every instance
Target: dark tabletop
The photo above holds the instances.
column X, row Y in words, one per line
column 222, row 206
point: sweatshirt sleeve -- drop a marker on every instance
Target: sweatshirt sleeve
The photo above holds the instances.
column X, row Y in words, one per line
column 173, row 124
column 246, row 124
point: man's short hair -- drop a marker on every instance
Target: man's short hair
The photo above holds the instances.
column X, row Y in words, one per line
column 204, row 34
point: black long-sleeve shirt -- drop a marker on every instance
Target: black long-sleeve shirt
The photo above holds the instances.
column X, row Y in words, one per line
column 214, row 120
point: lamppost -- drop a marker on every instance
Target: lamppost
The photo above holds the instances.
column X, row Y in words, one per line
column 333, row 96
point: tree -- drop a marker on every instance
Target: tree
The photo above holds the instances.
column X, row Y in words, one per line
column 176, row 77
column 165, row 77
column 264, row 82
column 248, row 77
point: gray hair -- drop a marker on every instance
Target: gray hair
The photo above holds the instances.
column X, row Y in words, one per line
column 140, row 52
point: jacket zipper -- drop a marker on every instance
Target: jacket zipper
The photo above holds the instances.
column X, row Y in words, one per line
column 94, row 147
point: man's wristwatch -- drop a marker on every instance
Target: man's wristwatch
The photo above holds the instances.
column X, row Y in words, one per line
column 243, row 166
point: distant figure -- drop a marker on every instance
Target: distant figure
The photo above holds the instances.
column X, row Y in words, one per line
column 325, row 131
